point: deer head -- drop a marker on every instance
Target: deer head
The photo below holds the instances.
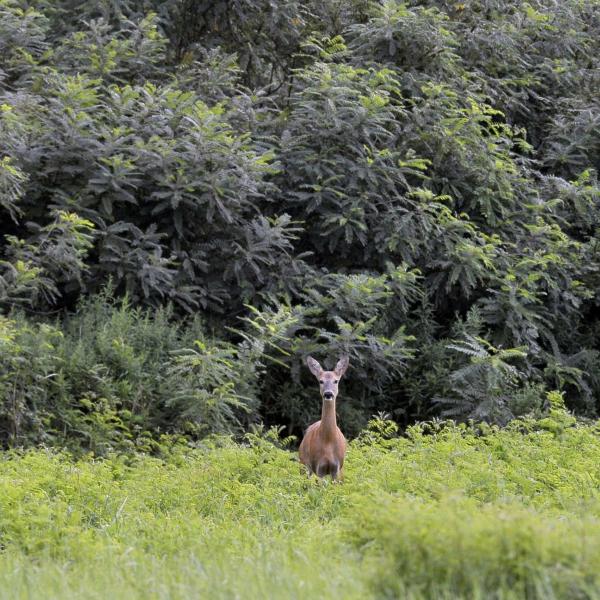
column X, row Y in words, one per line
column 328, row 380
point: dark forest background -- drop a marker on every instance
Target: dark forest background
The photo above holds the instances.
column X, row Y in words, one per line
column 195, row 195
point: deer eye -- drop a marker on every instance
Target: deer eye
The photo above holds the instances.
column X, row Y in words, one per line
column 336, row 381
column 321, row 381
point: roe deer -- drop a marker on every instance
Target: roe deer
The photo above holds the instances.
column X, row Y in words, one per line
column 324, row 446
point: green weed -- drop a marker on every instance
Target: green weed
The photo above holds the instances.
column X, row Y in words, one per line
column 446, row 511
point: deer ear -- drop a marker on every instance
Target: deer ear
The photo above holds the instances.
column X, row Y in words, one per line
column 314, row 366
column 341, row 366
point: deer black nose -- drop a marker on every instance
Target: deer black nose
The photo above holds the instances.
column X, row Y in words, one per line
column 328, row 395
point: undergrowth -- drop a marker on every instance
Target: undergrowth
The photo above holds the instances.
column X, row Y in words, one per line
column 445, row 511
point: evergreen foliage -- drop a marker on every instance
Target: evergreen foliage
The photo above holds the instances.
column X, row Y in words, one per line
column 412, row 183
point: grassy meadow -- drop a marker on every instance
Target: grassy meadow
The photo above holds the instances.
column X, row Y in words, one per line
column 444, row 511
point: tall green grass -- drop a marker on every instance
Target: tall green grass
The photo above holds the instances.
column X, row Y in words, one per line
column 443, row 512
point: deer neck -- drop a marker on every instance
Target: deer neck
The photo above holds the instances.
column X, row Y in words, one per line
column 328, row 419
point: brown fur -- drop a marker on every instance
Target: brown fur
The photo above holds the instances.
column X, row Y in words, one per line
column 323, row 447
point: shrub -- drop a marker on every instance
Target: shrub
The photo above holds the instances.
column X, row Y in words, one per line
column 361, row 176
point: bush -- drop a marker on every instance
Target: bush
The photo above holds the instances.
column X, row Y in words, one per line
column 363, row 177
column 111, row 376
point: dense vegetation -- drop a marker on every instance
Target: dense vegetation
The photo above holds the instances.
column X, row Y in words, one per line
column 196, row 195
column 446, row 512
